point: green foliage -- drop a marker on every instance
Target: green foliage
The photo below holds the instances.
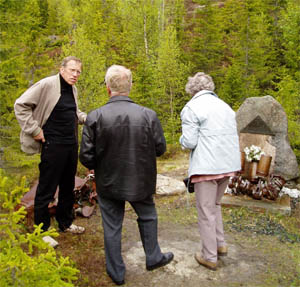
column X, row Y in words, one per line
column 19, row 162
column 60, row 14
column 232, row 91
column 23, row 58
column 289, row 97
column 25, row 259
column 173, row 151
column 288, row 86
column 235, row 44
column 206, row 39
column 169, row 84
column 250, row 48
column 290, row 25
column 92, row 92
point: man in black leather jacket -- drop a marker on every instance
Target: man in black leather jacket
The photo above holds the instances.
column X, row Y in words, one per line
column 120, row 142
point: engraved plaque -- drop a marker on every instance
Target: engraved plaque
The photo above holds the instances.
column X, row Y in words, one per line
column 257, row 126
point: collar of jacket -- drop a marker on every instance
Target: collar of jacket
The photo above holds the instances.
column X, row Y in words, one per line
column 203, row 92
column 119, row 98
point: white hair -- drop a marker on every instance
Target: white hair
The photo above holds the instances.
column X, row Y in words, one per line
column 199, row 82
column 118, row 79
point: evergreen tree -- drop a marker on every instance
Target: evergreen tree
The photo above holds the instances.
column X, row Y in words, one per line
column 88, row 42
column 290, row 26
column 170, row 83
column 288, row 84
column 249, row 47
column 92, row 92
column 21, row 53
column 206, row 40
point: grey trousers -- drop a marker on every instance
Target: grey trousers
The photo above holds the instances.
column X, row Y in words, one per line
column 112, row 212
column 208, row 202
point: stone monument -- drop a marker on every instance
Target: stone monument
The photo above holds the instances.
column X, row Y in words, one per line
column 262, row 121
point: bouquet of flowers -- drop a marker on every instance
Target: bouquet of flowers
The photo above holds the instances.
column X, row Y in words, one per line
column 253, row 153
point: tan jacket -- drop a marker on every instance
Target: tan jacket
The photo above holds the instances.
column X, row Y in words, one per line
column 34, row 107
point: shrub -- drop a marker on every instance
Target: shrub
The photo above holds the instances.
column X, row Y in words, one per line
column 25, row 259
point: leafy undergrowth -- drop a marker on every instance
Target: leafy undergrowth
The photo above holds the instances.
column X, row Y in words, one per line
column 25, row 259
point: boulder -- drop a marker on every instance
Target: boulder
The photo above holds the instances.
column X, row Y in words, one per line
column 262, row 121
column 167, row 186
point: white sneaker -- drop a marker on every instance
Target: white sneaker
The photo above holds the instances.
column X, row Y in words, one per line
column 75, row 229
column 48, row 239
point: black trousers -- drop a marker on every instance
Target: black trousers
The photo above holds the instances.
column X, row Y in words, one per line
column 57, row 169
column 112, row 212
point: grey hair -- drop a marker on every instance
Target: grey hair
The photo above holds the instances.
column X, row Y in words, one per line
column 66, row 60
column 199, row 82
column 118, row 79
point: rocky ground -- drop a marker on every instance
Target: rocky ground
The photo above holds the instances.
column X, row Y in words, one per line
column 263, row 248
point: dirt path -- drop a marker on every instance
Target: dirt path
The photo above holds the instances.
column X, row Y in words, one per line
column 250, row 262
column 262, row 252
column 253, row 260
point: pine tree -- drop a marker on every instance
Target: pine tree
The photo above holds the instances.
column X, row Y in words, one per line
column 21, row 53
column 170, row 83
column 92, row 92
column 206, row 40
column 288, row 84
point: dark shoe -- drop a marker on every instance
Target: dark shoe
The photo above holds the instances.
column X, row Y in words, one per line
column 167, row 258
column 119, row 282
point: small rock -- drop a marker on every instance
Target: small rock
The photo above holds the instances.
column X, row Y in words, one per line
column 168, row 186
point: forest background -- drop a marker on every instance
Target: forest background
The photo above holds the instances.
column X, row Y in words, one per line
column 251, row 48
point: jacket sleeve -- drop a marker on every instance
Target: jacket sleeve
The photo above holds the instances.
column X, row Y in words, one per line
column 87, row 155
column 159, row 138
column 81, row 115
column 190, row 129
column 24, row 107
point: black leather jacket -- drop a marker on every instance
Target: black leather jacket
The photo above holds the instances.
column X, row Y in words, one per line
column 120, row 141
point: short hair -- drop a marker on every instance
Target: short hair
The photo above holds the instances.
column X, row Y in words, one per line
column 66, row 60
column 199, row 82
column 118, row 79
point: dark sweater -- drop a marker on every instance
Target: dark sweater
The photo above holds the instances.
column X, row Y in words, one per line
column 61, row 124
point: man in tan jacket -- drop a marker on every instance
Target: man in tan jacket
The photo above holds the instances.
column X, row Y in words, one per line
column 48, row 115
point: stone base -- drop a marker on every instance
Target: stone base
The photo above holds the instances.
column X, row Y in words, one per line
column 281, row 205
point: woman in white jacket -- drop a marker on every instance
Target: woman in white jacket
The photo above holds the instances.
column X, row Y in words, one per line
column 209, row 131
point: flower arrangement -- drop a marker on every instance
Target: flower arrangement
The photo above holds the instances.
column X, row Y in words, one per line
column 253, row 153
